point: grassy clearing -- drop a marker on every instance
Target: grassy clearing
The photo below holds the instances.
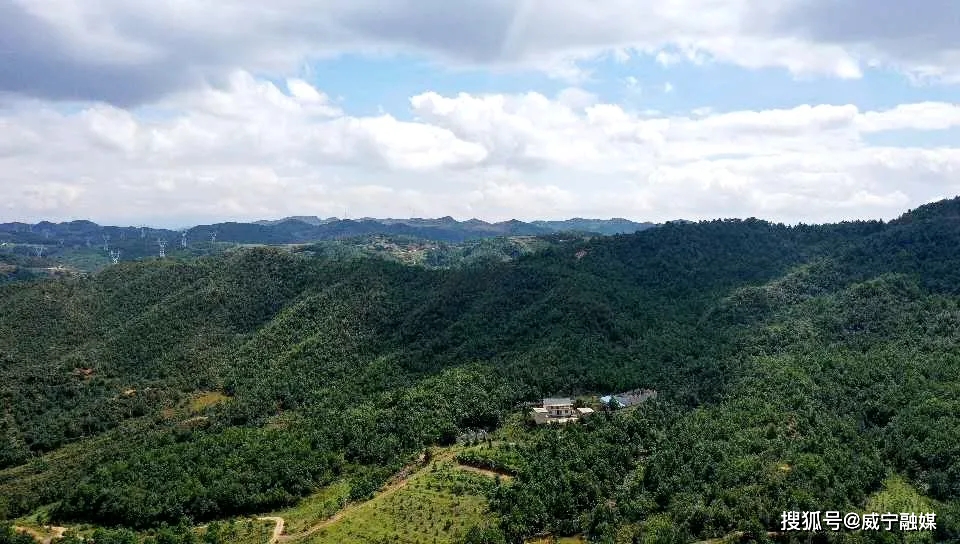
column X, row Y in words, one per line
column 437, row 505
column 898, row 495
column 315, row 508
column 204, row 400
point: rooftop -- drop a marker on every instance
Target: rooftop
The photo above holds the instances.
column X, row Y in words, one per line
column 629, row 398
column 557, row 402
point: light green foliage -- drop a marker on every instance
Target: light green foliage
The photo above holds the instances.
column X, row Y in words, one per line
column 437, row 505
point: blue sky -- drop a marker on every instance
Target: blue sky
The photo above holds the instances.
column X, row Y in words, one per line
column 813, row 110
column 367, row 83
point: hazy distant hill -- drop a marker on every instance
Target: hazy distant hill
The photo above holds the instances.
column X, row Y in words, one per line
column 302, row 229
column 27, row 250
column 308, row 219
column 600, row 226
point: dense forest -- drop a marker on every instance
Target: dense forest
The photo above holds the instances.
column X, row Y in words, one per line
column 809, row 367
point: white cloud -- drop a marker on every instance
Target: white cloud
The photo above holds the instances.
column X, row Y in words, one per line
column 303, row 91
column 133, row 53
column 922, row 116
column 576, row 98
column 252, row 149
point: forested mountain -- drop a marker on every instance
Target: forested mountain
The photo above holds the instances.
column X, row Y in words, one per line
column 798, row 368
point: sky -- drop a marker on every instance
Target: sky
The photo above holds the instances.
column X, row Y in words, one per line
column 175, row 112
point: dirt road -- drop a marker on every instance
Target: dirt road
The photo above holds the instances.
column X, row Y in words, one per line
column 277, row 529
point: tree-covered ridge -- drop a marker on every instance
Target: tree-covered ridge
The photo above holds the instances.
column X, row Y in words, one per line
column 20, row 261
column 298, row 230
column 837, row 382
column 798, row 368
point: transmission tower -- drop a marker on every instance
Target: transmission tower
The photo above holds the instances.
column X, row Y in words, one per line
column 163, row 247
column 88, row 242
column 183, row 239
column 38, row 251
column 106, row 242
column 213, row 238
column 115, row 256
column 143, row 232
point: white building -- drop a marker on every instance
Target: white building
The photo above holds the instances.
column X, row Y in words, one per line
column 558, row 410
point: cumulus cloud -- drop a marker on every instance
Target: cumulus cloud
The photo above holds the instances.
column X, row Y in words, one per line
column 254, row 149
column 129, row 53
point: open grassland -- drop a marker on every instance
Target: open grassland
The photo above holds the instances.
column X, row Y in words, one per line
column 436, row 505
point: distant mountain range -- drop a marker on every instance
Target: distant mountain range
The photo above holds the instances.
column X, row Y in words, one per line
column 303, row 229
column 483, row 229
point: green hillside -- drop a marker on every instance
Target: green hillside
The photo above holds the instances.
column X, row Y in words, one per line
column 798, row 368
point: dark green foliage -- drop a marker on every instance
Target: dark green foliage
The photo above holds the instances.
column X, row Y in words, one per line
column 120, row 536
column 840, row 374
column 797, row 368
column 205, row 476
column 496, row 460
column 483, row 535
